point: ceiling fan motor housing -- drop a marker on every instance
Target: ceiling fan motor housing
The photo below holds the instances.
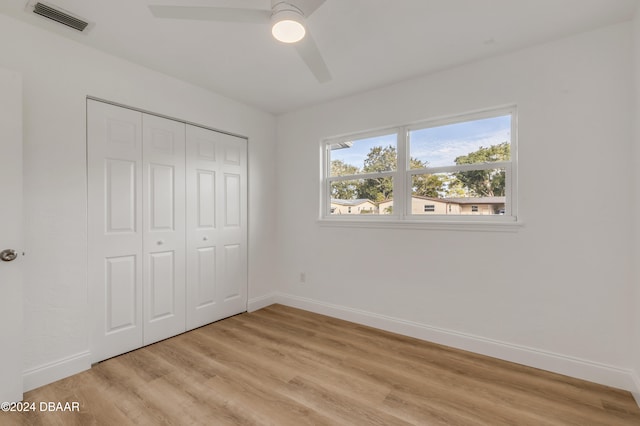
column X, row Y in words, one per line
column 287, row 23
column 278, row 7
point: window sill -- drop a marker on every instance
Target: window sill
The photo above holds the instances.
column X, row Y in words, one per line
column 443, row 225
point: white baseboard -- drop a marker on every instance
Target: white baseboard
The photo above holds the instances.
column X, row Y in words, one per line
column 261, row 302
column 56, row 370
column 562, row 364
column 636, row 392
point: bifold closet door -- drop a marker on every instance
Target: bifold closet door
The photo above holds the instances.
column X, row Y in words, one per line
column 216, row 226
column 167, row 219
column 164, row 227
column 114, row 152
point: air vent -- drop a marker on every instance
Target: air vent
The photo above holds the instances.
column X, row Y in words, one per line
column 59, row 16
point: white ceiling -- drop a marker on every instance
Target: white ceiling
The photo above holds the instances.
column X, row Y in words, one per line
column 365, row 43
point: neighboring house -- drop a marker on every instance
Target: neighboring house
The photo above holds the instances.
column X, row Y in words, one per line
column 432, row 205
column 442, row 206
column 480, row 205
column 359, row 206
column 385, row 207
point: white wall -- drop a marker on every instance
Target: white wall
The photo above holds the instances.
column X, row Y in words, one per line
column 554, row 294
column 636, row 253
column 58, row 74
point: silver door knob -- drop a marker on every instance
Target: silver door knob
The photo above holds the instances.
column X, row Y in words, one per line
column 8, row 255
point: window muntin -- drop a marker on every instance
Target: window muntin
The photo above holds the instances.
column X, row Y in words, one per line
column 451, row 164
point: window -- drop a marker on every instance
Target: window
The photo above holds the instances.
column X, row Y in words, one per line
column 459, row 169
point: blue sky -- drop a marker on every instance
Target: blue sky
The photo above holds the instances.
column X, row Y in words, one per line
column 439, row 146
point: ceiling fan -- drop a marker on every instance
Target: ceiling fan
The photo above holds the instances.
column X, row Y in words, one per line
column 287, row 19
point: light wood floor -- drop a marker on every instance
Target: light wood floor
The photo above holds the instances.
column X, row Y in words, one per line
column 283, row 366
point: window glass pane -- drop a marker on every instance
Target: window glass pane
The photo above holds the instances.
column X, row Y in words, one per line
column 362, row 196
column 469, row 142
column 370, row 155
column 478, row 192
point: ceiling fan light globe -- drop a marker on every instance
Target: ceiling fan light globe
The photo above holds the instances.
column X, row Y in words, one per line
column 288, row 26
column 288, row 31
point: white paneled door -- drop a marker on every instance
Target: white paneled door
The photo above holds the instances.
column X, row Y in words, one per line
column 115, row 228
column 167, row 227
column 11, row 241
column 163, row 209
column 216, row 226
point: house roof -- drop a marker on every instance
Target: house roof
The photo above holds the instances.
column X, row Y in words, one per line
column 438, row 200
column 476, row 200
column 351, row 202
column 459, row 200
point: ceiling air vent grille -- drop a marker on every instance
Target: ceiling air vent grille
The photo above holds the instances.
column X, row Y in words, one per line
column 59, row 16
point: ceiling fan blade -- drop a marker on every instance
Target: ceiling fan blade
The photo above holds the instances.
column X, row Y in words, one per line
column 308, row 6
column 222, row 14
column 310, row 54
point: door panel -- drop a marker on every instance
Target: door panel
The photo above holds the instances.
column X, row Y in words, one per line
column 121, row 196
column 163, row 285
column 232, row 199
column 161, row 197
column 121, row 284
column 232, row 267
column 206, row 199
column 202, row 231
column 114, row 152
column 206, row 278
column 164, row 235
column 216, row 212
column 216, row 226
column 11, row 367
column 233, row 272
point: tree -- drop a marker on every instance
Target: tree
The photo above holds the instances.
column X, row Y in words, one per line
column 347, row 189
column 454, row 188
column 340, row 168
column 379, row 159
column 484, row 183
column 428, row 185
column 385, row 159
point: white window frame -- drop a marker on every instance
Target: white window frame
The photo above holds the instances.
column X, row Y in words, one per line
column 402, row 178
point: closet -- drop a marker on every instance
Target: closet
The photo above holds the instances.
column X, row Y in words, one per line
column 167, row 227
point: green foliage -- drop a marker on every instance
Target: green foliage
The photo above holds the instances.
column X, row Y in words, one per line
column 340, row 168
column 454, row 187
column 428, row 185
column 385, row 159
column 379, row 159
column 344, row 190
column 484, row 183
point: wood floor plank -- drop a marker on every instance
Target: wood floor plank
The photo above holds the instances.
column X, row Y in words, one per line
column 284, row 366
column 499, row 384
